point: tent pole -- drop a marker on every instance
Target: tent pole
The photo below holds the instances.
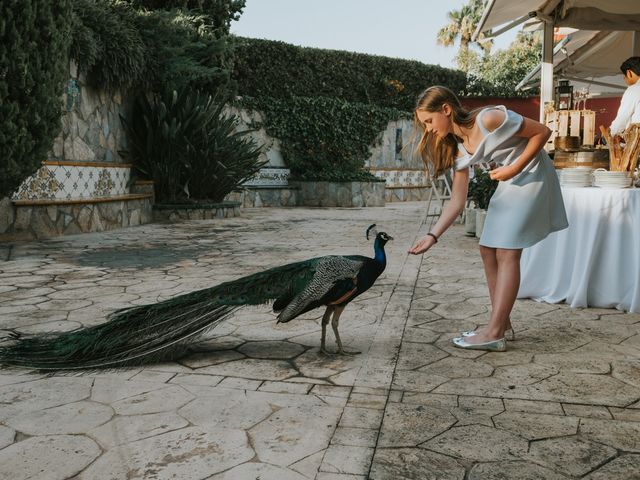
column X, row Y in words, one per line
column 546, row 72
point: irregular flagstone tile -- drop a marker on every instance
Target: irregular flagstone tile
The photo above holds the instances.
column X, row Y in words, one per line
column 273, row 350
column 583, row 388
column 632, row 342
column 628, row 371
column 551, row 340
column 235, row 410
column 481, row 403
column 625, row 467
column 604, row 350
column 331, row 390
column 51, row 457
column 422, row 317
column 536, row 426
column 512, row 469
column 473, row 416
column 450, row 328
column 57, row 326
column 224, row 342
column 18, row 376
column 253, row 369
column 153, row 376
column 367, row 400
column 569, row 455
column 479, row 443
column 407, row 425
column 420, row 335
column 22, row 398
column 72, row 418
column 6, row 436
column 355, row 437
column 239, row 383
column 127, row 429
column 170, row 455
column 454, row 367
column 346, row 459
column 313, row 364
column 573, row 363
column 459, row 310
column 587, row 411
column 260, row 471
column 532, row 406
column 524, row 374
column 308, row 467
column 412, row 464
column 414, row 355
column 349, row 377
column 431, row 399
column 612, row 333
column 285, row 387
column 293, row 433
column 416, row 381
column 206, row 359
column 66, row 304
column 361, row 417
column 626, row 414
column 339, row 476
column 162, row 400
column 615, row 433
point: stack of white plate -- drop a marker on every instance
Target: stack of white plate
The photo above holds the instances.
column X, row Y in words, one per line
column 575, row 177
column 606, row 179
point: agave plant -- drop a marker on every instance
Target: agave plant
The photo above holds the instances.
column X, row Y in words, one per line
column 192, row 150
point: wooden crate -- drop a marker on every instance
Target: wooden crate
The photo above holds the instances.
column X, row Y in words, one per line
column 575, row 123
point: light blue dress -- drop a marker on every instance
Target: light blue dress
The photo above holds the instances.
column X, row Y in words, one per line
column 526, row 208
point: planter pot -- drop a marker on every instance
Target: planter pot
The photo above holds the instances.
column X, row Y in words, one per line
column 470, row 221
column 340, row 194
column 480, row 216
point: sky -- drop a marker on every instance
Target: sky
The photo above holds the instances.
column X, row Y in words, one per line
column 399, row 28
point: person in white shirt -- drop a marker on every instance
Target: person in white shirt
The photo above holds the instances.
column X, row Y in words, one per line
column 629, row 110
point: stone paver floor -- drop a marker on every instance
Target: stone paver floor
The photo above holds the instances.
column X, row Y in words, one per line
column 257, row 400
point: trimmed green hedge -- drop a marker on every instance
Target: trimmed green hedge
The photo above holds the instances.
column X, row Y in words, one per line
column 323, row 138
column 266, row 68
column 34, row 43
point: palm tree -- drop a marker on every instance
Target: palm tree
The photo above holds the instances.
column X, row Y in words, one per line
column 462, row 24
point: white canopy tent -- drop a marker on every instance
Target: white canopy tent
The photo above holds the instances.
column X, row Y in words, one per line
column 600, row 16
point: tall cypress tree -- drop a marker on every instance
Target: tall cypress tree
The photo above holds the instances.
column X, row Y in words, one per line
column 34, row 55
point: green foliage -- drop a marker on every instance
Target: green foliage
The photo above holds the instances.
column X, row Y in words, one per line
column 499, row 73
column 265, row 68
column 323, row 138
column 481, row 188
column 34, row 43
column 119, row 47
column 189, row 147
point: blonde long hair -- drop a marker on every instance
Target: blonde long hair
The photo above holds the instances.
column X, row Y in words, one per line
column 439, row 154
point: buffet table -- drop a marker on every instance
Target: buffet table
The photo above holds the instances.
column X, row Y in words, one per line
column 596, row 261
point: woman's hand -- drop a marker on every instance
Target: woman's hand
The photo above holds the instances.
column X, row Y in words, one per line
column 503, row 173
column 422, row 245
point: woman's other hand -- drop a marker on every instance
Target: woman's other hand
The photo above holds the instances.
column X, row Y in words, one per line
column 503, row 173
column 422, row 245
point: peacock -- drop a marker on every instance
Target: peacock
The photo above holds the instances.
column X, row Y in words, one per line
column 164, row 330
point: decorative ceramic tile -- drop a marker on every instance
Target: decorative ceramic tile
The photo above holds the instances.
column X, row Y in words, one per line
column 59, row 182
column 402, row 177
column 273, row 177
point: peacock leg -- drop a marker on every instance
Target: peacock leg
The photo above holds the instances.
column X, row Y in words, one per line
column 325, row 320
column 334, row 324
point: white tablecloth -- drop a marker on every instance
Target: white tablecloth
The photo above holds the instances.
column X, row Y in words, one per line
column 596, row 261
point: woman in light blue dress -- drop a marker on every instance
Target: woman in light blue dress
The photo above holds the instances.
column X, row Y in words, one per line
column 526, row 207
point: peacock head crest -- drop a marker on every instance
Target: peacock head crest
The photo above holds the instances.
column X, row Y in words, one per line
column 383, row 237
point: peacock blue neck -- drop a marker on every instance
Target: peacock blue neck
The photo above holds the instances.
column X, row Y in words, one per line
column 378, row 247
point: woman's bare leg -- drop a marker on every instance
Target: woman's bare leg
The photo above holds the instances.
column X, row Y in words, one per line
column 505, row 291
column 490, row 262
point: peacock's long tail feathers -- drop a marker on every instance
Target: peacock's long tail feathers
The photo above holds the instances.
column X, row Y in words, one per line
column 160, row 331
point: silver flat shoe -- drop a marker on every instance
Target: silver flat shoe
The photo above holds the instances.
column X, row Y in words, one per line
column 499, row 345
column 508, row 333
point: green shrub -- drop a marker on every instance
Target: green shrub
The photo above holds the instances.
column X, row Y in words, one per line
column 119, row 47
column 481, row 188
column 189, row 147
column 323, row 138
column 266, row 68
column 34, row 44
